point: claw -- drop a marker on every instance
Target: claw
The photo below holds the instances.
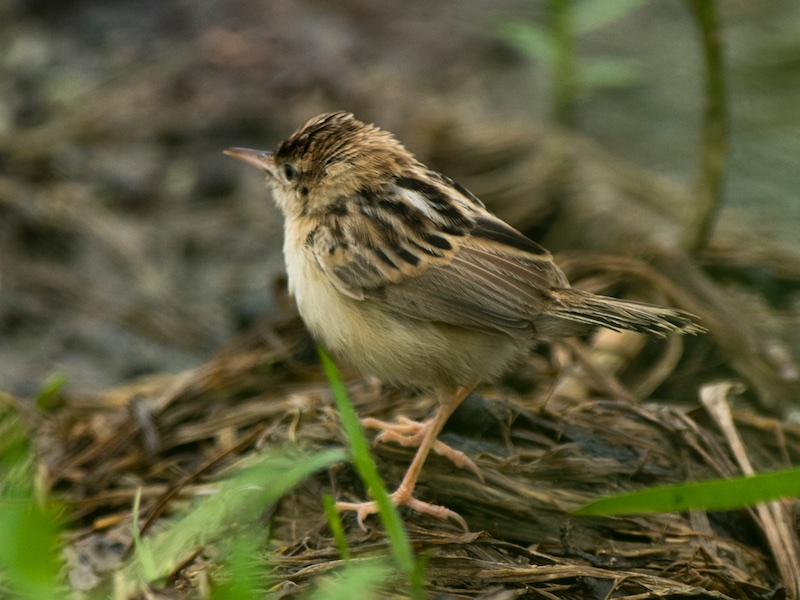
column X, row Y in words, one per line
column 423, row 435
column 401, row 498
column 409, row 434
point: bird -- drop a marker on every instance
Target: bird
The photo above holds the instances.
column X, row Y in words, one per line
column 407, row 275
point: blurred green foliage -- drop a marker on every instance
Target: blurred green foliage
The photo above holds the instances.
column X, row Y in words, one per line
column 30, row 523
column 553, row 43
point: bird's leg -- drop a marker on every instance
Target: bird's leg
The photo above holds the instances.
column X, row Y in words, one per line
column 403, row 495
column 409, row 434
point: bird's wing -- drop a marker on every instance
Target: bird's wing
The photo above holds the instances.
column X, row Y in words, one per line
column 455, row 263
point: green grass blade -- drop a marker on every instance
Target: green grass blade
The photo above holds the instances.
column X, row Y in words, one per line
column 714, row 494
column 50, row 393
column 362, row 459
column 354, row 582
column 30, row 561
column 336, row 526
column 239, row 499
column 30, row 523
column 243, row 568
column 143, row 552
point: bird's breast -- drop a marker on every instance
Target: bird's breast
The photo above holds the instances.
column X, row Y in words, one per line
column 389, row 345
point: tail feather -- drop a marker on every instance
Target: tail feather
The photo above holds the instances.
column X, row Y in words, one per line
column 613, row 313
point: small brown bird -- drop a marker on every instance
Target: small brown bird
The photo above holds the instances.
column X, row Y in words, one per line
column 406, row 274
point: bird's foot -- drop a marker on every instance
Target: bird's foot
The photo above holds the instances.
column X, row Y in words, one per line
column 409, row 433
column 401, row 497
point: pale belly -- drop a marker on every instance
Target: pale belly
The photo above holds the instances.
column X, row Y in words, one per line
column 395, row 348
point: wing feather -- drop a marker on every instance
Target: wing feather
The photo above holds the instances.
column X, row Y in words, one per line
column 482, row 274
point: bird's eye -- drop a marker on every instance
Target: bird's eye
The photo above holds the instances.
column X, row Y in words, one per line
column 289, row 171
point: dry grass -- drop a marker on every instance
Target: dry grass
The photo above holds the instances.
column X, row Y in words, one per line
column 551, row 439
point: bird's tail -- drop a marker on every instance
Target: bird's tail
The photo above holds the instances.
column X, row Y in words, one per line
column 613, row 313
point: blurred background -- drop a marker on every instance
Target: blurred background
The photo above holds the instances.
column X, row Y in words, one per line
column 129, row 244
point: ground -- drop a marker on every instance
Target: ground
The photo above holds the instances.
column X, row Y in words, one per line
column 130, row 247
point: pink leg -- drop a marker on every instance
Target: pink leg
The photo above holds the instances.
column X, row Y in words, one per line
column 404, row 493
column 410, row 434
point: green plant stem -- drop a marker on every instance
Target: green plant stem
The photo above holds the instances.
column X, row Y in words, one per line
column 362, row 459
column 564, row 67
column 715, row 126
column 335, row 523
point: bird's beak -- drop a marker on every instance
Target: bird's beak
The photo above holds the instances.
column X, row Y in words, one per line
column 258, row 158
